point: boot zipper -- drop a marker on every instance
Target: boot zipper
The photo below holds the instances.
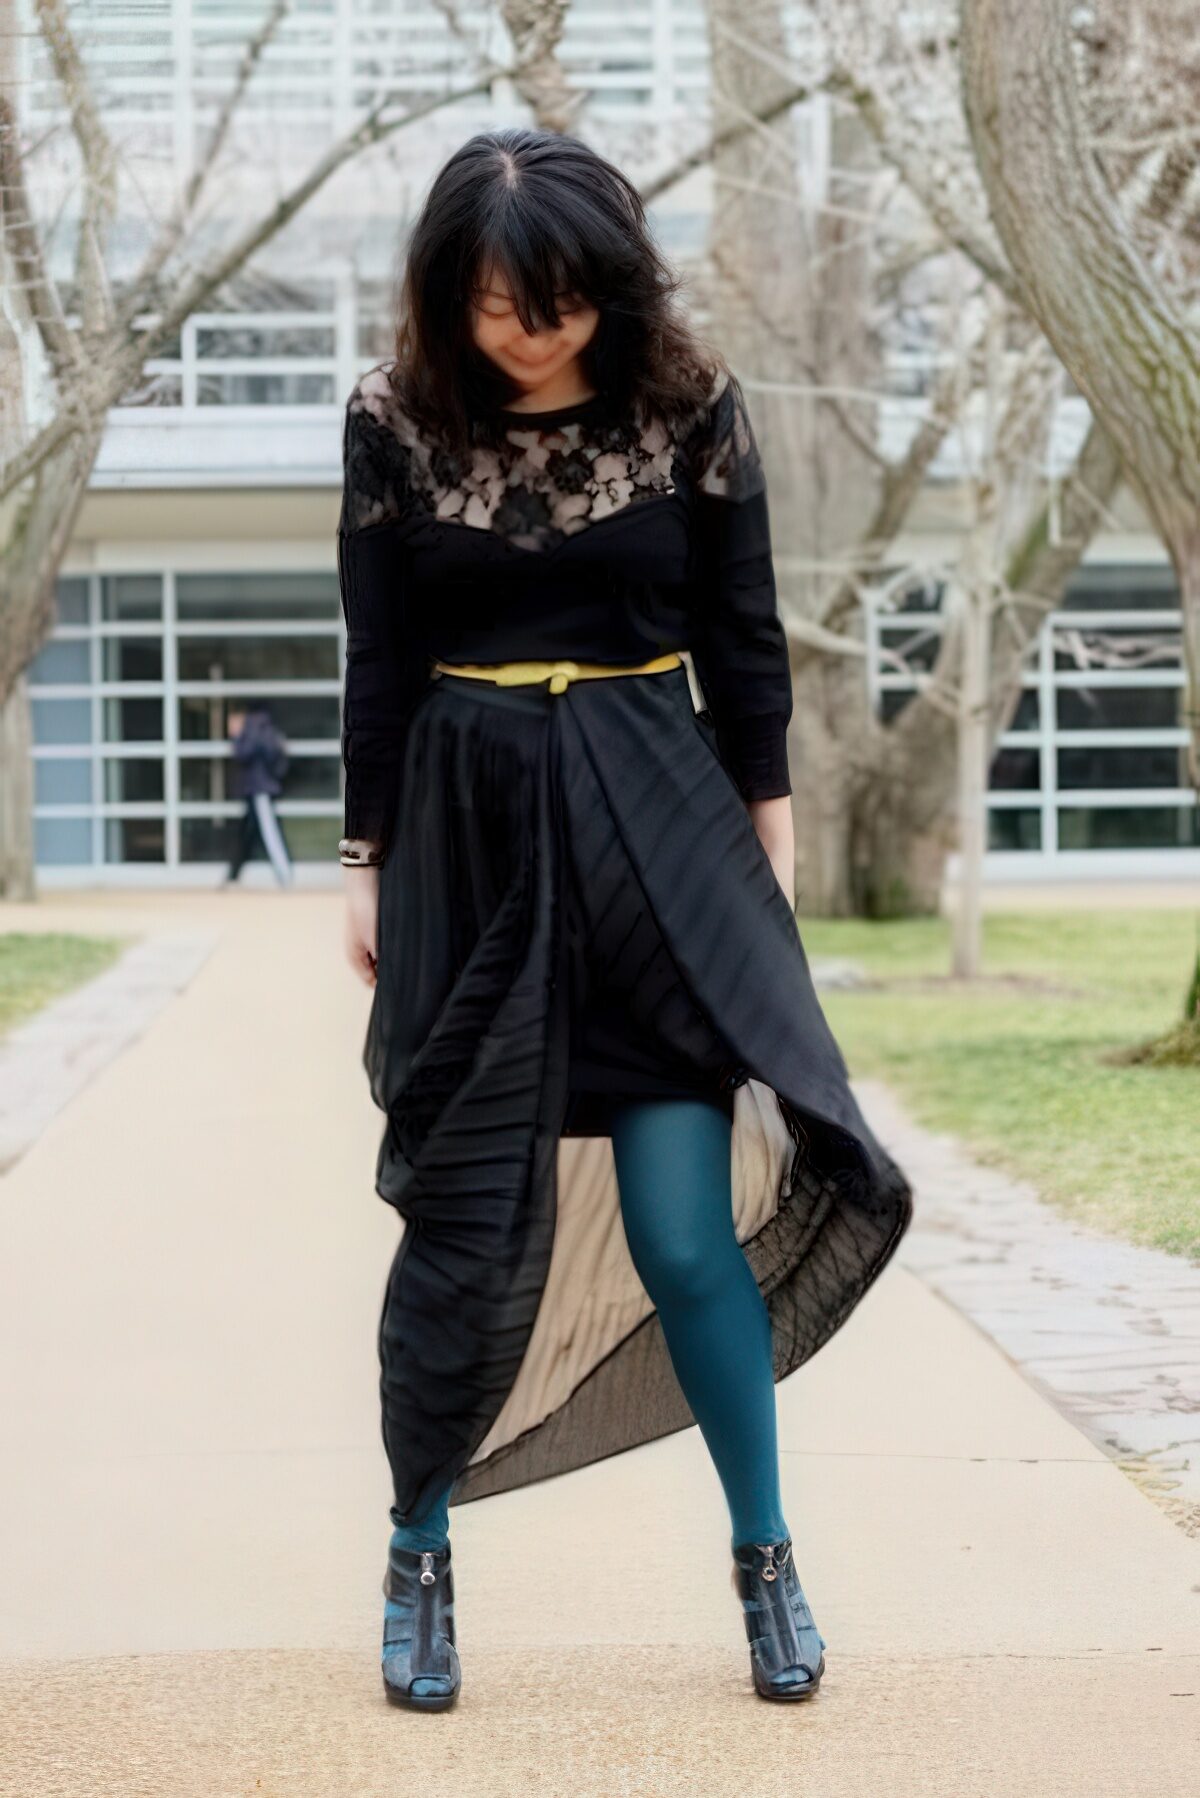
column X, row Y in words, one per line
column 427, row 1574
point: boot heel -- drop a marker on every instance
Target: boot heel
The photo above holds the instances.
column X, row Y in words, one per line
column 787, row 1656
column 418, row 1629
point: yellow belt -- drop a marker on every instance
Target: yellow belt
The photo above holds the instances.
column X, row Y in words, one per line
column 524, row 674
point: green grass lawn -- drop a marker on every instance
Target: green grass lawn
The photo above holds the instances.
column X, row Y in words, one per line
column 1014, row 1063
column 36, row 966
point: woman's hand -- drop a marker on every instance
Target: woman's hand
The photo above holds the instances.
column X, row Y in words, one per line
column 772, row 819
column 362, row 920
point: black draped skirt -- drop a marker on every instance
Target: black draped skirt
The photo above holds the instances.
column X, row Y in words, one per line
column 576, row 908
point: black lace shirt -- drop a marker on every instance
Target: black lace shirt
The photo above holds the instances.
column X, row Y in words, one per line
column 568, row 534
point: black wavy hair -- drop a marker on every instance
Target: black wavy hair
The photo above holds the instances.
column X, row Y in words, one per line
column 555, row 217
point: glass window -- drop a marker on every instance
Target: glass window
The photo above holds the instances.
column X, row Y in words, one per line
column 892, row 702
column 71, row 600
column 258, row 658
column 244, row 340
column 136, row 598
column 59, row 781
column 1134, row 766
column 906, row 646
column 1129, row 827
column 131, row 658
column 1121, row 587
column 134, row 777
column 58, row 662
column 206, row 778
column 203, row 778
column 1119, row 708
column 298, row 715
column 61, row 720
column 214, row 597
column 211, row 840
column 131, row 720
column 308, row 389
column 1028, row 710
column 310, row 839
column 1015, row 829
column 1018, row 769
column 62, row 842
column 134, row 839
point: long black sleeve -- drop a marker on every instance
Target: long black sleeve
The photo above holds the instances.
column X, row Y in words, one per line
column 386, row 666
column 739, row 648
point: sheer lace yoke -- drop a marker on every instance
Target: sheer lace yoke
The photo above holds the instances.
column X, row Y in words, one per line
column 548, row 477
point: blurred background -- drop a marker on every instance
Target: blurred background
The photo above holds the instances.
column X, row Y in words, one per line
column 953, row 253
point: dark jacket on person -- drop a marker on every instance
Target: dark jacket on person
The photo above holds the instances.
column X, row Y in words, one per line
column 262, row 757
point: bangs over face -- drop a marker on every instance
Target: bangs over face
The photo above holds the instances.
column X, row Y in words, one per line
column 563, row 227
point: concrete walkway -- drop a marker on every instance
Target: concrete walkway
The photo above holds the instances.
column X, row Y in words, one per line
column 193, row 1492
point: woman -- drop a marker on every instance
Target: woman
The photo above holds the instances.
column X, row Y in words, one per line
column 636, row 1188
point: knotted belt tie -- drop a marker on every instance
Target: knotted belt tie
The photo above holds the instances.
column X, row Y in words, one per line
column 559, row 674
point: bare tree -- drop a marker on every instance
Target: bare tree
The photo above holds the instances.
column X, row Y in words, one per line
column 1118, row 306
column 822, row 251
column 91, row 349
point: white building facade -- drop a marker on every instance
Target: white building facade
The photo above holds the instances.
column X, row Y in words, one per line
column 202, row 570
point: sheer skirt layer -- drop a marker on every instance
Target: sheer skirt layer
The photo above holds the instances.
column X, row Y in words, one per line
column 576, row 907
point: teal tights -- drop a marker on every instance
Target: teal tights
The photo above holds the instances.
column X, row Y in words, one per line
column 673, row 1170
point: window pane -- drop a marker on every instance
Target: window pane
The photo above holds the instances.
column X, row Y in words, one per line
column 205, row 778
column 907, row 646
column 60, row 782
column 1120, row 827
column 1119, row 708
column 1131, row 767
column 297, row 715
column 61, row 720
column 266, row 390
column 131, row 720
column 1016, row 768
column 1014, row 829
column 204, row 597
column 134, row 840
column 71, row 600
column 131, row 658
column 131, row 596
column 62, row 842
column 892, row 702
column 210, row 839
column 1028, row 710
column 258, row 658
column 311, row 839
column 60, row 662
column 1120, row 587
column 241, row 341
column 132, row 777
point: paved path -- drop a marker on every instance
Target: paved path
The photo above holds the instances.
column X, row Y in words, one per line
column 193, row 1492
column 46, row 1060
column 1108, row 1328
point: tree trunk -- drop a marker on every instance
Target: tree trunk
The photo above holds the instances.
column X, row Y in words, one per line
column 16, row 795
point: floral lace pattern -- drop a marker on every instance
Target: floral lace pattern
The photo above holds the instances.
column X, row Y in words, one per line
column 545, row 481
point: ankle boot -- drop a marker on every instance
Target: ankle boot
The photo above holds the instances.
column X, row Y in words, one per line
column 420, row 1660
column 786, row 1657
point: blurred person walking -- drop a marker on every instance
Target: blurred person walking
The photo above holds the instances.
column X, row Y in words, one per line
column 260, row 763
column 636, row 1187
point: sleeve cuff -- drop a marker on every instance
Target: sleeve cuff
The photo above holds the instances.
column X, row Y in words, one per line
column 756, row 751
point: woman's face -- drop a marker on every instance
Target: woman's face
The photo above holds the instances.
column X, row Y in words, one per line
column 536, row 358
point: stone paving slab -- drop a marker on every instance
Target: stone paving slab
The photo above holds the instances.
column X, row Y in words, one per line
column 1109, row 1329
column 45, row 1061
